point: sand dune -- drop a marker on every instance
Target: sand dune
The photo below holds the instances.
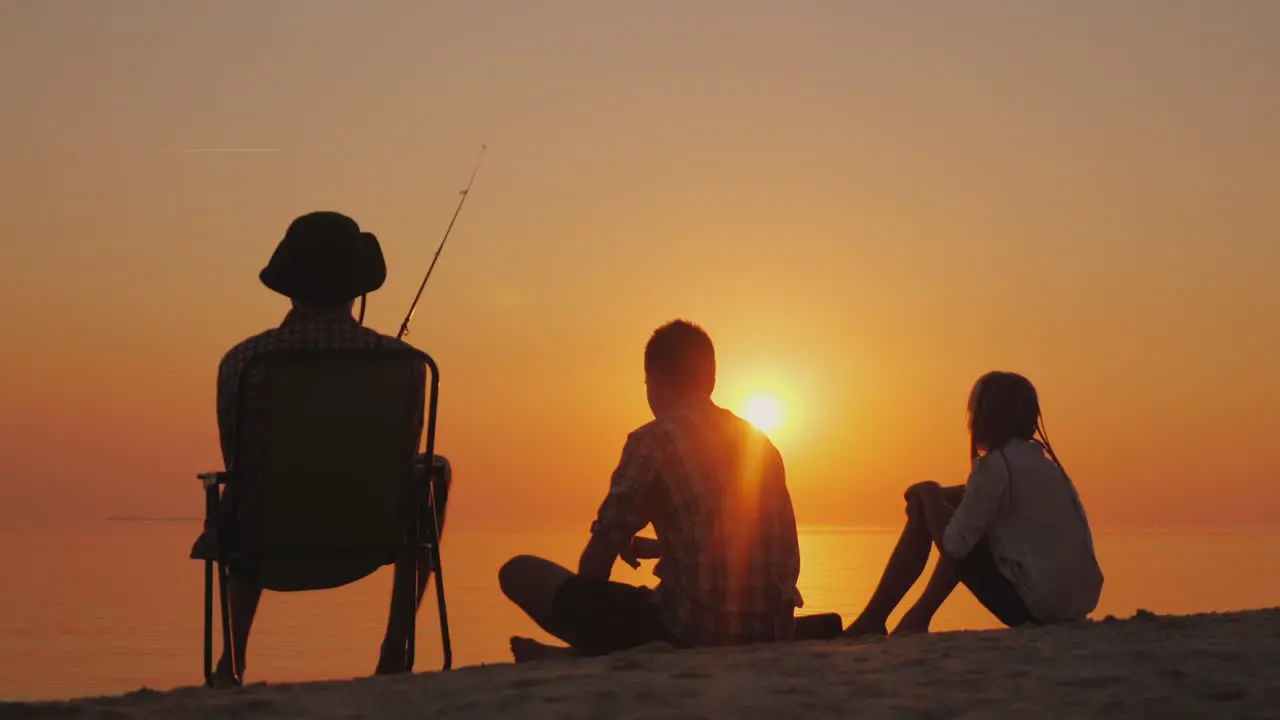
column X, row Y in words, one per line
column 1225, row 665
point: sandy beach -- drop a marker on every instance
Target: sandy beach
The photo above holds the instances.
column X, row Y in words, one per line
column 1217, row 665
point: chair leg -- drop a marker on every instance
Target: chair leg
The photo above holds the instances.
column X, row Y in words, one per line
column 412, row 642
column 444, row 616
column 227, row 646
column 208, row 622
column 212, row 513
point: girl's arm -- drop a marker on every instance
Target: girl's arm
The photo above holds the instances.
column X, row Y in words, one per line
column 937, row 511
column 984, row 497
column 953, row 495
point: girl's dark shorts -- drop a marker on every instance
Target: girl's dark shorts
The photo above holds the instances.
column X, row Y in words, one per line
column 979, row 573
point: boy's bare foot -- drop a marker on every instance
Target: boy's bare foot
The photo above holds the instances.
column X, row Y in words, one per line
column 525, row 649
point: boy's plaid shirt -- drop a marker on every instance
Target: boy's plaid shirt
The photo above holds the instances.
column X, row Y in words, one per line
column 714, row 488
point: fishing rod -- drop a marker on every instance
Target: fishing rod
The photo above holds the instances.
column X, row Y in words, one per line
column 465, row 192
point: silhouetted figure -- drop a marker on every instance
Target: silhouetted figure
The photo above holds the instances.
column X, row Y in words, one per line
column 323, row 264
column 714, row 488
column 1015, row 534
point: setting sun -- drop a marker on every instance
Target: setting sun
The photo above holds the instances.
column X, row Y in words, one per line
column 764, row 412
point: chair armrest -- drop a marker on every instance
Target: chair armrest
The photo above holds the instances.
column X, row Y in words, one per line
column 426, row 471
column 211, row 479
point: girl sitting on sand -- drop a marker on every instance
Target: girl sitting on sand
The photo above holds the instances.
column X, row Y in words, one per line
column 1015, row 534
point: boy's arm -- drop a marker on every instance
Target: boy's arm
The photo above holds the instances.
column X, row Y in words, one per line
column 626, row 510
column 597, row 558
column 641, row 548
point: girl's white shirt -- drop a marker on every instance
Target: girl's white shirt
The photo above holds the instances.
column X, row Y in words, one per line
column 1032, row 518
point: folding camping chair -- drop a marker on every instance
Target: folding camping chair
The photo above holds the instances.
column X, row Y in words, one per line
column 329, row 493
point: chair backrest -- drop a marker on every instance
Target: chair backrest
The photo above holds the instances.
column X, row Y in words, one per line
column 333, row 473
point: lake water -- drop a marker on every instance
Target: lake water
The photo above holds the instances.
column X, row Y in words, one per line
column 113, row 606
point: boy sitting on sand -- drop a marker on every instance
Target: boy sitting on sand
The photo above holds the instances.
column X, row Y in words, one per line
column 714, row 488
column 1015, row 534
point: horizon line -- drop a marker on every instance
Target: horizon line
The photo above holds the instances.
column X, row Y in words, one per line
column 144, row 518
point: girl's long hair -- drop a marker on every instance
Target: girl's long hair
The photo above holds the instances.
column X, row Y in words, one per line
column 1004, row 406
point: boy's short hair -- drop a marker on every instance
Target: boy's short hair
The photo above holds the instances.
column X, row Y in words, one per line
column 680, row 353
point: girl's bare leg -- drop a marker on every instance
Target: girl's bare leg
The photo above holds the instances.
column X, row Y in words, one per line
column 905, row 566
column 941, row 583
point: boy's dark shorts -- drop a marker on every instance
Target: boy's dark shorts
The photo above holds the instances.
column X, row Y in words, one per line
column 598, row 617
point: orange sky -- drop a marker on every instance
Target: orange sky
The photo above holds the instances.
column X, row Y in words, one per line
column 867, row 204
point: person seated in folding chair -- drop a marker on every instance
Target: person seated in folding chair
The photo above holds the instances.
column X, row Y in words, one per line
column 323, row 264
column 714, row 488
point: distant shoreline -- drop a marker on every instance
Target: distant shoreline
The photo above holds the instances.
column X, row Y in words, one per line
column 821, row 528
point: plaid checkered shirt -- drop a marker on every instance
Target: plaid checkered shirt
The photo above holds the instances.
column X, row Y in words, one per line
column 300, row 330
column 714, row 488
column 242, row 405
